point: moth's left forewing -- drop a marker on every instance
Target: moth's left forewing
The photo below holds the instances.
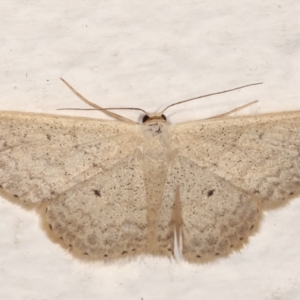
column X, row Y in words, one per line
column 259, row 153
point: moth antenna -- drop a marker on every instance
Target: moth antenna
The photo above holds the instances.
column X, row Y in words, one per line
column 130, row 108
column 232, row 111
column 104, row 108
column 109, row 113
column 212, row 94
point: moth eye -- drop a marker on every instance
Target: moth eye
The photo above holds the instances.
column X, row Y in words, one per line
column 145, row 118
column 164, row 117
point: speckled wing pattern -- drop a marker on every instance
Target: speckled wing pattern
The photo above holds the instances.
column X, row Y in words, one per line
column 229, row 169
column 108, row 189
column 85, row 172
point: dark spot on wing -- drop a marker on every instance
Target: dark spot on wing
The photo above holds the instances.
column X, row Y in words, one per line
column 16, row 196
column 97, row 193
column 210, row 193
column 48, row 137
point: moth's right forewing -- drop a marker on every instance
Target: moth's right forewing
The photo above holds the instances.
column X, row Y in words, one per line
column 43, row 155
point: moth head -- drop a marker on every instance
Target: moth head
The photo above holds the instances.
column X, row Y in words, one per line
column 154, row 117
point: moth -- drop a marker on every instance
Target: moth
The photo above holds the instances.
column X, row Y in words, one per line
column 109, row 189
